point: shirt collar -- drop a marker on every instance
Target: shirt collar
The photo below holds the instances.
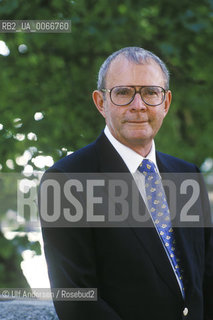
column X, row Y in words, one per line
column 131, row 158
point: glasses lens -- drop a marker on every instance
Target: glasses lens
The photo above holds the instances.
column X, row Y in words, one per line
column 122, row 95
column 152, row 95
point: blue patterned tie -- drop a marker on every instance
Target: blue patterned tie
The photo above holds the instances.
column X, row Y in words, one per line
column 158, row 208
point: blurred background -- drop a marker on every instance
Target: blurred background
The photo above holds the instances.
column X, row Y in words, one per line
column 46, row 109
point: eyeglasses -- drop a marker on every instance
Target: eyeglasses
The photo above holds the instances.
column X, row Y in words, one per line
column 123, row 95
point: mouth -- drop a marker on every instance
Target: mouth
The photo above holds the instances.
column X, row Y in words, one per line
column 137, row 121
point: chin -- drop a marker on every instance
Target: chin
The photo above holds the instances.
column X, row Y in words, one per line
column 138, row 140
column 140, row 135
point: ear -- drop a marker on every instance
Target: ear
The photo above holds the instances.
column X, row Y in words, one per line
column 167, row 102
column 99, row 101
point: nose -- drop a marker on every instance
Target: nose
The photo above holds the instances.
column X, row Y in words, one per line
column 137, row 103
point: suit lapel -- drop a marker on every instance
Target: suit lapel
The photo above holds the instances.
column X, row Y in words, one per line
column 109, row 158
column 110, row 161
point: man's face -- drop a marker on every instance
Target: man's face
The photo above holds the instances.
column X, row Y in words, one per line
column 135, row 124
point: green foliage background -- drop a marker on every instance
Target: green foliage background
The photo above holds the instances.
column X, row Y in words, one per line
column 58, row 72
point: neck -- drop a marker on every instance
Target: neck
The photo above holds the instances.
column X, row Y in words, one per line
column 142, row 147
column 142, row 150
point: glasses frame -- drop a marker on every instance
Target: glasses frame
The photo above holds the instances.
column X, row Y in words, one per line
column 136, row 91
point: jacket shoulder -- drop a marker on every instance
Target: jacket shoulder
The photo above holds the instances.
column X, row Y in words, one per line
column 173, row 164
column 82, row 160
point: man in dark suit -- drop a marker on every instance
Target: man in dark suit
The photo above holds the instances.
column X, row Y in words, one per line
column 135, row 274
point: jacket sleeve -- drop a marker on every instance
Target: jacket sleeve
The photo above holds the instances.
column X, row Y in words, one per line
column 208, row 276
column 208, row 271
column 71, row 260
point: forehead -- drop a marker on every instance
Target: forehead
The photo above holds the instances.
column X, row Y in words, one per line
column 125, row 72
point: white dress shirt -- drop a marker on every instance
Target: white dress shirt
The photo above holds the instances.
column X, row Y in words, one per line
column 132, row 160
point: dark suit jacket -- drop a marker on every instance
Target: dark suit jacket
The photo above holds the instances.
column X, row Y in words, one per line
column 128, row 266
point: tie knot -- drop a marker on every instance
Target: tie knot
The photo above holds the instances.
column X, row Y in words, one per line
column 147, row 166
